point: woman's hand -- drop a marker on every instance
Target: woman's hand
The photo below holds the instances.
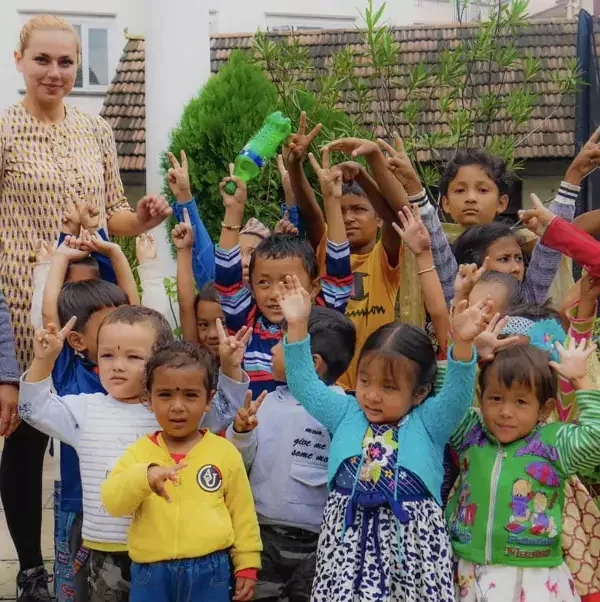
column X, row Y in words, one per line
column 151, row 211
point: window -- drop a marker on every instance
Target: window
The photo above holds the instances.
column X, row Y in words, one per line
column 286, row 22
column 98, row 50
column 95, row 71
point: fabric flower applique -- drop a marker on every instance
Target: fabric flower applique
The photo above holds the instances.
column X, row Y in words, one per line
column 378, row 450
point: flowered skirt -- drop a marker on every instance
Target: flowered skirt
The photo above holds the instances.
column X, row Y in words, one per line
column 378, row 559
column 495, row 583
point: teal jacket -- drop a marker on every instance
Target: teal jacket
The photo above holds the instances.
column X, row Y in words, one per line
column 422, row 433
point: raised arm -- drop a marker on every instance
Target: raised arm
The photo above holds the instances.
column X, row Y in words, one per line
column 111, row 250
column 443, row 257
column 324, row 404
column 578, row 445
column 418, row 241
column 183, row 239
column 203, row 252
column 302, row 191
column 60, row 417
column 68, row 251
column 443, row 413
column 392, row 196
column 235, row 298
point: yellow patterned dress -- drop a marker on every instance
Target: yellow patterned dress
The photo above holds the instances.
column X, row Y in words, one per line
column 43, row 169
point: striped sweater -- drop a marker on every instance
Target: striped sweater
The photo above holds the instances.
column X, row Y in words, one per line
column 240, row 308
column 100, row 428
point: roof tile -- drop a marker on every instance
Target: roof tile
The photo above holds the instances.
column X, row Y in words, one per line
column 551, row 125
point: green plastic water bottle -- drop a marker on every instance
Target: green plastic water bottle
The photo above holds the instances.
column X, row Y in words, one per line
column 263, row 146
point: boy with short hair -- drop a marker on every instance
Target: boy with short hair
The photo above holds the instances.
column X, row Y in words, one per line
column 285, row 451
column 474, row 190
column 369, row 206
column 101, row 425
column 256, row 305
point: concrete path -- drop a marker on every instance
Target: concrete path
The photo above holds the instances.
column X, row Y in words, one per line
column 8, row 557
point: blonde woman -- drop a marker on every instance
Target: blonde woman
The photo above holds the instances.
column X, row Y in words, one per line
column 51, row 155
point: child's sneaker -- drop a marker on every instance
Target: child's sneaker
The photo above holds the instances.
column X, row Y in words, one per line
column 32, row 585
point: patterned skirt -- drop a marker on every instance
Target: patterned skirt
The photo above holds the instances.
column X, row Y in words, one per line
column 512, row 584
column 378, row 559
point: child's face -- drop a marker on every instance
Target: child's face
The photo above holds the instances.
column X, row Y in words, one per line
column 207, row 313
column 473, row 197
column 495, row 291
column 510, row 413
column 179, row 400
column 248, row 243
column 505, row 255
column 122, row 352
column 385, row 397
column 86, row 342
column 360, row 220
column 266, row 276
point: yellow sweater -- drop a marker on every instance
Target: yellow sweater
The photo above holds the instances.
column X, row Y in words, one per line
column 212, row 507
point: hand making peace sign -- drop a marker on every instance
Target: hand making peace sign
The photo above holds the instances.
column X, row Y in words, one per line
column 178, row 178
column 299, row 142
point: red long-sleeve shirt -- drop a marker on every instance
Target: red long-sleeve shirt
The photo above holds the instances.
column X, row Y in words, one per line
column 575, row 243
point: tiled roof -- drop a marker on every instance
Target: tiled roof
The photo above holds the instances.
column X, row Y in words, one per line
column 125, row 106
column 552, row 41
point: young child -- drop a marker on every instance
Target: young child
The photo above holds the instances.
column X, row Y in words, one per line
column 89, row 294
column 369, row 206
column 474, row 190
column 506, row 520
column 198, row 313
column 285, row 451
column 256, row 305
column 182, row 549
column 101, row 425
column 383, row 534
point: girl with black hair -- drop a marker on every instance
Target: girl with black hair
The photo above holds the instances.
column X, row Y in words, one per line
column 383, row 535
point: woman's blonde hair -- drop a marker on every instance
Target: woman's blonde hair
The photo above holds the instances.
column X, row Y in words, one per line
column 45, row 22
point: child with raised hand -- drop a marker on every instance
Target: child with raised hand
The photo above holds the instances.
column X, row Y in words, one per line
column 198, row 313
column 185, row 208
column 474, row 189
column 417, row 239
column 100, row 425
column 256, row 305
column 506, row 520
column 187, row 490
column 285, row 451
column 383, row 534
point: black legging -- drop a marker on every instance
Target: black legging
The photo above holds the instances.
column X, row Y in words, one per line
column 21, row 490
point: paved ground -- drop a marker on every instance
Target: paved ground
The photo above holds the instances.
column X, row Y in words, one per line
column 8, row 558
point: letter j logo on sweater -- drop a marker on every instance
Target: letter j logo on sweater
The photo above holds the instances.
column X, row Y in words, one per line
column 209, row 478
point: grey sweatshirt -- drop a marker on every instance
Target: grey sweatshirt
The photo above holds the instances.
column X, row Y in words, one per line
column 9, row 367
column 286, row 457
